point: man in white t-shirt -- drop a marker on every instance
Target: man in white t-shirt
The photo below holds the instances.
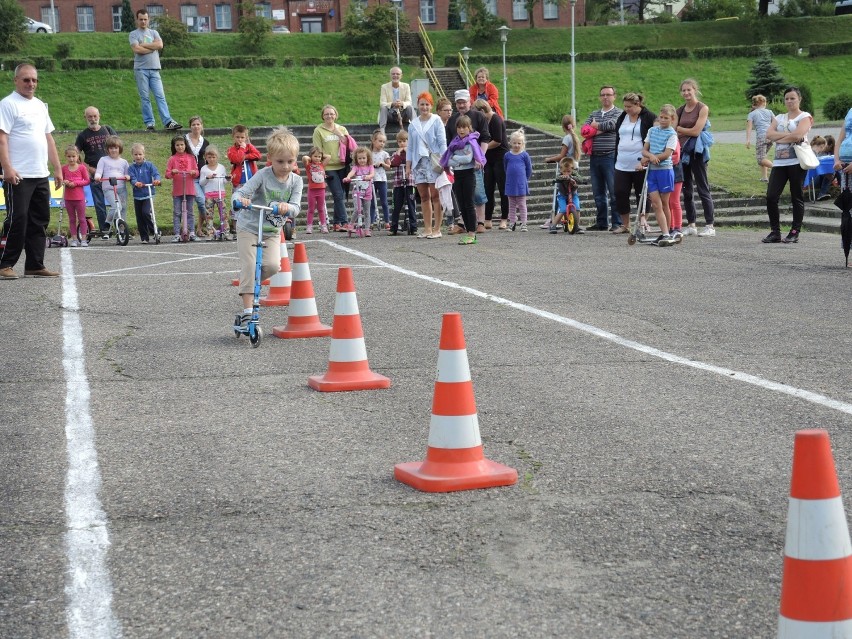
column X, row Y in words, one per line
column 26, row 148
column 395, row 101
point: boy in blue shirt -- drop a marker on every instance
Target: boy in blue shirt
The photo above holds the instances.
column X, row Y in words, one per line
column 660, row 143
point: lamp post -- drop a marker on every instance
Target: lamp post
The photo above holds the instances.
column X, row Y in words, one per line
column 397, row 5
column 573, row 75
column 465, row 51
column 504, row 35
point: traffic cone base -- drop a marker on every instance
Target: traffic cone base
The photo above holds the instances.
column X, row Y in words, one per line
column 816, row 587
column 348, row 368
column 454, row 457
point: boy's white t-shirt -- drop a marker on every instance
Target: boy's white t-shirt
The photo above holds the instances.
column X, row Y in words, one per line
column 213, row 188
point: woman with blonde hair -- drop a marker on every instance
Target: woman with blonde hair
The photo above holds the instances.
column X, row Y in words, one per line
column 482, row 89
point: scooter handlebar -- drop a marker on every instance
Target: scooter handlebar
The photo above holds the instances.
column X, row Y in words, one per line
column 239, row 205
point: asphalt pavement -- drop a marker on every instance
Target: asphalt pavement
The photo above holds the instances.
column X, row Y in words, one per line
column 648, row 398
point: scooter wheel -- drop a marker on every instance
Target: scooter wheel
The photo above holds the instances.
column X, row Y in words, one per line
column 63, row 242
column 157, row 238
column 255, row 339
column 631, row 240
column 122, row 235
column 288, row 230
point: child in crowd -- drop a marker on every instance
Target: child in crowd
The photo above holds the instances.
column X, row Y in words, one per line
column 464, row 156
column 142, row 173
column 183, row 169
column 566, row 189
column 243, row 156
column 275, row 185
column 676, row 222
column 75, row 177
column 314, row 163
column 381, row 162
column 824, row 182
column 570, row 148
column 659, row 146
column 361, row 178
column 518, row 166
column 112, row 165
column 403, row 191
column 212, row 180
column 760, row 117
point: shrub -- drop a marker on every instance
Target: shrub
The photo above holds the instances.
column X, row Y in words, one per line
column 254, row 30
column 834, row 48
column 63, row 50
column 373, row 28
column 13, row 34
column 174, row 34
column 807, row 98
column 836, row 107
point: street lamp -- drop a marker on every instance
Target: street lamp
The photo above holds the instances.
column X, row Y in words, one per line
column 465, row 51
column 397, row 4
column 573, row 54
column 504, row 35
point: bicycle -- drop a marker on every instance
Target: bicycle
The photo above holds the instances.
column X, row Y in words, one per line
column 114, row 217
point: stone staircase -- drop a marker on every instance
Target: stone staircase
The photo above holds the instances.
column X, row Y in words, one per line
column 410, row 45
column 730, row 210
column 451, row 80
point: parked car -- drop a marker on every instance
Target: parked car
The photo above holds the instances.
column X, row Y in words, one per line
column 280, row 28
column 843, row 7
column 38, row 27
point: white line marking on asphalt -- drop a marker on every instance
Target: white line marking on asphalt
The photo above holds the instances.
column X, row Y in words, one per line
column 88, row 587
column 154, row 265
column 727, row 373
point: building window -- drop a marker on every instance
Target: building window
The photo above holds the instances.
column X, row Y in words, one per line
column 85, row 19
column 519, row 10
column 491, row 6
column 427, row 11
column 116, row 17
column 154, row 12
column 188, row 12
column 462, row 15
column 53, row 20
column 263, row 10
column 551, row 10
column 668, row 9
column 224, row 21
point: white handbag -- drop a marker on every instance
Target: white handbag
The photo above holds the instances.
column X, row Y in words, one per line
column 807, row 158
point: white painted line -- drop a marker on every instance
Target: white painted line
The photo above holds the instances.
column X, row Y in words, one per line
column 88, row 587
column 727, row 373
column 154, row 265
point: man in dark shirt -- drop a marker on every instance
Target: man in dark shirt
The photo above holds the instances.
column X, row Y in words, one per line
column 602, row 162
column 480, row 124
column 91, row 141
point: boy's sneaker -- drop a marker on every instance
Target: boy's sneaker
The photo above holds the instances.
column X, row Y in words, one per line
column 241, row 322
column 84, row 243
column 309, row 229
column 174, row 126
column 708, row 231
column 324, row 229
column 545, row 226
column 105, row 236
column 73, row 244
column 554, row 229
column 176, row 239
column 774, row 237
column 690, row 230
column 663, row 240
column 143, row 241
column 193, row 237
column 523, row 227
column 150, row 128
column 677, row 237
column 792, row 237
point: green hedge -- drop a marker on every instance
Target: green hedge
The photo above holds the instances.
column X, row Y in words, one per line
column 746, row 50
column 217, row 62
column 42, row 63
column 371, row 60
column 835, row 48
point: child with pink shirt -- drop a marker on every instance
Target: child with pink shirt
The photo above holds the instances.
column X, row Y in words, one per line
column 75, row 176
column 183, row 169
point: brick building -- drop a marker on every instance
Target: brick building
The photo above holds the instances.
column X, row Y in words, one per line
column 309, row 16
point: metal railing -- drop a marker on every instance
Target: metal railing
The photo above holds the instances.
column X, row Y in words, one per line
column 465, row 71
column 424, row 38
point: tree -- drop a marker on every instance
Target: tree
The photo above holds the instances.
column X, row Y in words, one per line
column 715, row 9
column 128, row 20
column 174, row 34
column 453, row 16
column 481, row 23
column 13, row 33
column 254, row 29
column 365, row 28
column 530, row 5
column 765, row 78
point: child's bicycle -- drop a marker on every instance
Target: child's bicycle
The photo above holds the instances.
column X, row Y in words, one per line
column 252, row 327
column 116, row 220
column 356, row 222
column 570, row 217
column 157, row 233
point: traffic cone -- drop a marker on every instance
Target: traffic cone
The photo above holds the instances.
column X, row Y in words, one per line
column 348, row 368
column 816, row 589
column 303, row 319
column 279, row 284
column 454, row 458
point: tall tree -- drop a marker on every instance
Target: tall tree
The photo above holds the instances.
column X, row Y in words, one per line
column 128, row 20
column 765, row 78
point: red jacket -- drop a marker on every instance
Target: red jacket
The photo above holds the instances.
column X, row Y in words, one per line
column 237, row 156
column 180, row 163
column 492, row 96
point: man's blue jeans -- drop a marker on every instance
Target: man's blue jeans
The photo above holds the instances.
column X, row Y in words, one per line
column 602, row 173
column 147, row 82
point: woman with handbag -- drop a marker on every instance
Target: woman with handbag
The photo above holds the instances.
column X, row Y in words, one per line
column 332, row 138
column 427, row 141
column 787, row 130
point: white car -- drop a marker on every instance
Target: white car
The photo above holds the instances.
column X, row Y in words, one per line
column 280, row 28
column 38, row 27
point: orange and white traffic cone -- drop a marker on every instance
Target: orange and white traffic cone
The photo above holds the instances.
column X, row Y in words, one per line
column 303, row 319
column 348, row 368
column 816, row 589
column 280, row 283
column 454, row 458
